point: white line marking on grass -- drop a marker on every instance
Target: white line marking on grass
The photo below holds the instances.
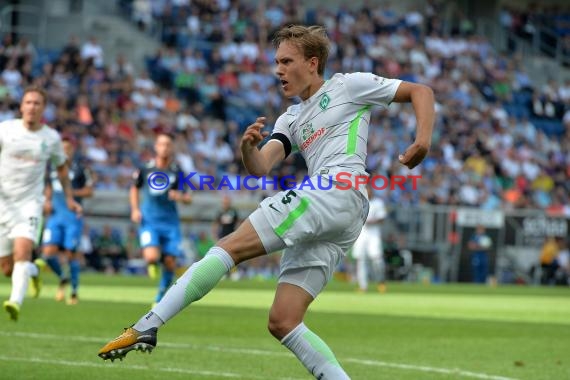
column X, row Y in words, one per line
column 135, row 367
column 446, row 371
column 250, row 351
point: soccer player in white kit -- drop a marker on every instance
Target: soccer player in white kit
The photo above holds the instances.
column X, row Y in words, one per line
column 316, row 227
column 26, row 146
column 368, row 246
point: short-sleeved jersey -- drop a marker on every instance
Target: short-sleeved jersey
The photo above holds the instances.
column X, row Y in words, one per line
column 330, row 129
column 155, row 206
column 79, row 176
column 24, row 155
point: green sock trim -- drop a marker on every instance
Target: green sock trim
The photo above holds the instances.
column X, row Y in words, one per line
column 320, row 346
column 207, row 274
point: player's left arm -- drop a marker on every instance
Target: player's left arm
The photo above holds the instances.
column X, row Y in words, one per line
column 85, row 191
column 423, row 102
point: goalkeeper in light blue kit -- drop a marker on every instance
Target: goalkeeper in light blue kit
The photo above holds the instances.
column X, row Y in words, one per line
column 314, row 226
column 63, row 229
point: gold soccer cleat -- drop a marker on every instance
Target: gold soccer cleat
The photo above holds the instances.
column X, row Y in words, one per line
column 129, row 340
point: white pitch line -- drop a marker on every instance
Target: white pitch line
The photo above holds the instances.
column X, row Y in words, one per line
column 376, row 363
column 139, row 367
column 446, row 371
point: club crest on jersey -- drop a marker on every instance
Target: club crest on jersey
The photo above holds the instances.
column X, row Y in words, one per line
column 307, row 131
column 324, row 103
column 313, row 136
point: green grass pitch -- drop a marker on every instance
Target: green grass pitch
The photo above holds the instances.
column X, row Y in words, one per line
column 413, row 331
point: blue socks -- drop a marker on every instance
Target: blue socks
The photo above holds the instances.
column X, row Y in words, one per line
column 165, row 281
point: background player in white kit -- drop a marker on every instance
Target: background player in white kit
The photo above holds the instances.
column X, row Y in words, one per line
column 368, row 246
column 26, row 146
column 316, row 226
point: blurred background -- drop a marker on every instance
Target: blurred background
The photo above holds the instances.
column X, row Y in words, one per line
column 119, row 71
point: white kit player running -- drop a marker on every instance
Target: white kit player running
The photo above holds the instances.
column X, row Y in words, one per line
column 368, row 247
column 26, row 146
column 316, row 227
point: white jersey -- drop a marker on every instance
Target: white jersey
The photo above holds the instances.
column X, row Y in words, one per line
column 23, row 158
column 330, row 129
column 376, row 213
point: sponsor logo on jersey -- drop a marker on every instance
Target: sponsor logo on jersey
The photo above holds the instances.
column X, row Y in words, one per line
column 319, row 132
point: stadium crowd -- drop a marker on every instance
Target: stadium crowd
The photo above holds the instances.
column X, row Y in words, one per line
column 501, row 140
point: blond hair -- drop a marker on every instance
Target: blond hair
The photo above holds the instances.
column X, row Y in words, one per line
column 311, row 40
column 37, row 89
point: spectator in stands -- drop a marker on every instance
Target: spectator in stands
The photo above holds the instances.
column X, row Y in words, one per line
column 91, row 50
column 110, row 247
column 548, row 264
column 479, row 244
column 563, row 262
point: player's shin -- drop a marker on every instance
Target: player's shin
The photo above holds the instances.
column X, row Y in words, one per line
column 55, row 265
column 74, row 270
column 23, row 270
column 314, row 353
column 196, row 282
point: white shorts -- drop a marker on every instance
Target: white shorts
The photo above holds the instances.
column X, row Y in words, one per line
column 18, row 220
column 317, row 227
column 368, row 245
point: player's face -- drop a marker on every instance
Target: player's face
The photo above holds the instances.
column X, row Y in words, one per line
column 32, row 107
column 294, row 71
column 164, row 147
column 68, row 149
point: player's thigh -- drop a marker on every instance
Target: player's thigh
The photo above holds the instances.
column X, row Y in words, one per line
column 26, row 224
column 148, row 236
column 72, row 233
column 171, row 240
column 245, row 242
column 52, row 237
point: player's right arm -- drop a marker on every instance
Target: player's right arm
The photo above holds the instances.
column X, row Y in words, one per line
column 136, row 214
column 259, row 162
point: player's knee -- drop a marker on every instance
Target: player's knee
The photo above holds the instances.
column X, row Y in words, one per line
column 6, row 269
column 170, row 262
column 279, row 326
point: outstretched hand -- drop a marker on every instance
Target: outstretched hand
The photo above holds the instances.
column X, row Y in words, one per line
column 253, row 134
column 413, row 155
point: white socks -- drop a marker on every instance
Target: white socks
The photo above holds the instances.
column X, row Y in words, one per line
column 196, row 282
column 314, row 353
column 21, row 274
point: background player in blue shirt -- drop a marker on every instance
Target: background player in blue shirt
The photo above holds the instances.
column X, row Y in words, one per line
column 63, row 228
column 159, row 232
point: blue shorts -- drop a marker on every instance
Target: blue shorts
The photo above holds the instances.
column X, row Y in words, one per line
column 63, row 231
column 167, row 237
